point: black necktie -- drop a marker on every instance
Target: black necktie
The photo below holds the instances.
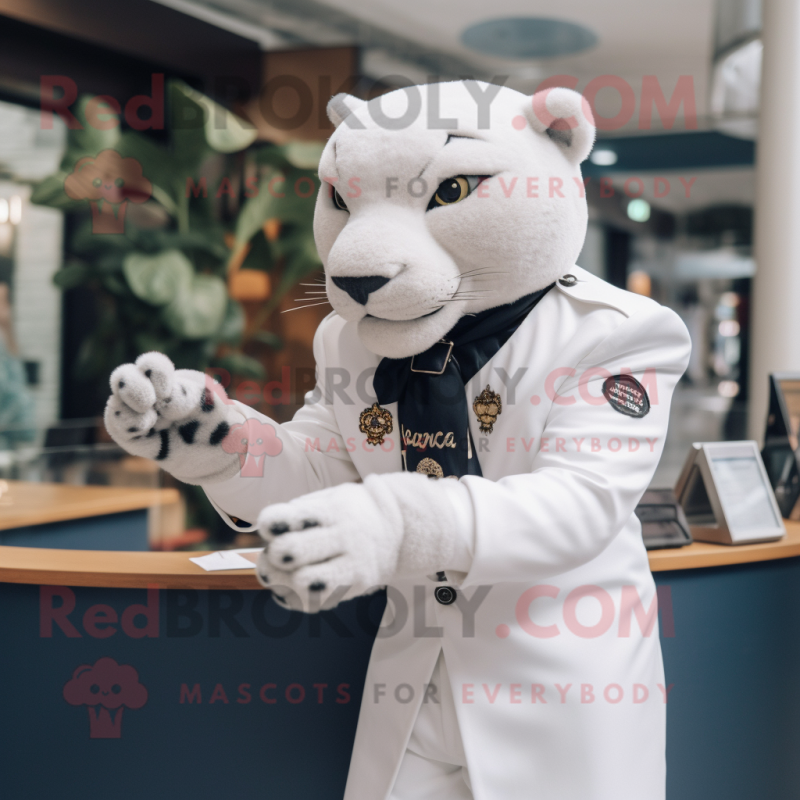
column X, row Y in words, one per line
column 429, row 389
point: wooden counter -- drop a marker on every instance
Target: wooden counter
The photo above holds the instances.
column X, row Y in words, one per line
column 115, row 569
column 24, row 504
column 701, row 554
column 175, row 571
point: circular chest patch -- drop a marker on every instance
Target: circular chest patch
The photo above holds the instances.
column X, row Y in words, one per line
column 626, row 395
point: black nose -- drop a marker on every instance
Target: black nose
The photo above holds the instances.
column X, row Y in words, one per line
column 361, row 288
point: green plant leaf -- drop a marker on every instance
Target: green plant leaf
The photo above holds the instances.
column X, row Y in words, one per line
column 89, row 140
column 255, row 212
column 157, row 165
column 300, row 155
column 71, row 275
column 241, row 364
column 233, row 325
column 186, row 125
column 50, row 192
column 225, row 132
column 147, row 341
column 268, row 338
column 90, row 244
column 260, row 254
column 304, row 155
column 198, row 310
column 199, row 126
column 208, row 240
column 115, row 285
column 278, row 200
column 158, row 279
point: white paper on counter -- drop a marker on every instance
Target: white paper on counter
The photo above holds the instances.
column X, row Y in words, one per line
column 229, row 559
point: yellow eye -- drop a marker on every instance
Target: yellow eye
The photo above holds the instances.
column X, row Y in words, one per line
column 451, row 191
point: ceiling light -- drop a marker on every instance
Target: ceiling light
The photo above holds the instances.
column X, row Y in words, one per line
column 728, row 388
column 603, row 158
column 639, row 210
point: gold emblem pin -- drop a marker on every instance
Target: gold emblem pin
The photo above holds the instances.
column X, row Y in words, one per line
column 430, row 468
column 376, row 422
column 487, row 406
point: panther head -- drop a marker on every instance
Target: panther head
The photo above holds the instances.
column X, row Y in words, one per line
column 447, row 199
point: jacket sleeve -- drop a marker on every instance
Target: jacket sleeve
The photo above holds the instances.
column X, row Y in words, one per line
column 311, row 455
column 576, row 499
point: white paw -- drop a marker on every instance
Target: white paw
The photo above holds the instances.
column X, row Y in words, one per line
column 180, row 418
column 146, row 397
column 326, row 547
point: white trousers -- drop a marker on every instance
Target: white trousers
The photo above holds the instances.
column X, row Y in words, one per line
column 434, row 766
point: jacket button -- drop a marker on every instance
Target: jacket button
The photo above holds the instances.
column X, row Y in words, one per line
column 445, row 595
column 568, row 280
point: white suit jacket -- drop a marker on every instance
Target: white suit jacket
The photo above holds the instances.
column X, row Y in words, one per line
column 557, row 676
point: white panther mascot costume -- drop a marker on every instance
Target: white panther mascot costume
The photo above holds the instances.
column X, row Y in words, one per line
column 465, row 345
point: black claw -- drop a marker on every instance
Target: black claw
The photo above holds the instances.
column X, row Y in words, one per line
column 310, row 523
column 277, row 528
column 263, row 577
column 287, row 559
column 132, row 430
column 219, row 433
column 279, row 596
column 188, row 431
column 317, row 586
column 164, row 451
column 148, row 373
column 151, row 433
column 117, row 413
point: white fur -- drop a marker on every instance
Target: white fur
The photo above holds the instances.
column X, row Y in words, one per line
column 388, row 527
column 492, row 250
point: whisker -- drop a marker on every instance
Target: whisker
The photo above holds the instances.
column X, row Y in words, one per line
column 318, row 283
column 457, row 299
column 487, row 270
column 299, row 308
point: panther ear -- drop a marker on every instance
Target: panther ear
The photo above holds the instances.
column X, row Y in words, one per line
column 565, row 117
column 341, row 105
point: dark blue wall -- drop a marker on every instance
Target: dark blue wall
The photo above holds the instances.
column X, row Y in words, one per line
column 127, row 531
column 733, row 718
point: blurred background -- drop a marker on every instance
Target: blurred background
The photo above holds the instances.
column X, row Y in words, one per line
column 196, row 128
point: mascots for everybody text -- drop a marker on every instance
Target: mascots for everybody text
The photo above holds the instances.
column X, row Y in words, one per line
column 486, row 417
